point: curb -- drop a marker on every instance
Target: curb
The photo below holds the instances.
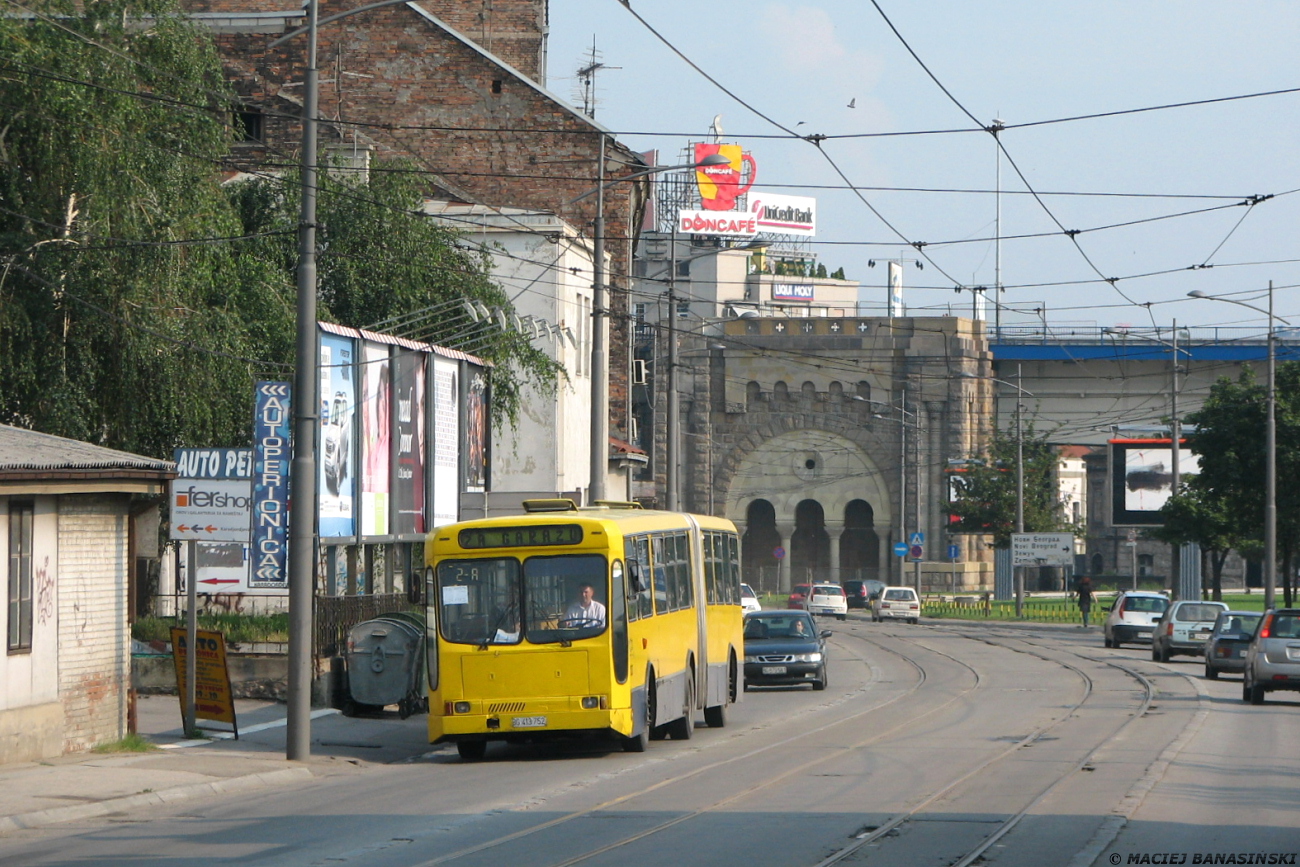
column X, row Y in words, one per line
column 40, row 818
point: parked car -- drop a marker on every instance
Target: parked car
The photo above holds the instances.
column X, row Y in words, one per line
column 1184, row 628
column 749, row 599
column 784, row 647
column 1229, row 640
column 1133, row 617
column 828, row 599
column 798, row 596
column 860, row 593
column 897, row 603
column 1273, row 660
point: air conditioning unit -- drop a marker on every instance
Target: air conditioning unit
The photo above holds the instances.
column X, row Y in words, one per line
column 638, row 371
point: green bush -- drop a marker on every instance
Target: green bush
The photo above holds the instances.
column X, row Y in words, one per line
column 237, row 628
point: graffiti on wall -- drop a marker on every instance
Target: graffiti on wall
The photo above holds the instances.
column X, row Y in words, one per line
column 44, row 593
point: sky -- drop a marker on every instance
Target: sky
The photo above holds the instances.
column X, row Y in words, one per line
column 1166, row 207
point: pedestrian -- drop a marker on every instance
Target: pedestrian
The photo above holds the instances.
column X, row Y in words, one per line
column 1085, row 598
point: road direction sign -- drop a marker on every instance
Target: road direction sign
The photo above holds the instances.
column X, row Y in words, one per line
column 1042, row 549
column 917, row 538
column 900, row 549
column 954, row 552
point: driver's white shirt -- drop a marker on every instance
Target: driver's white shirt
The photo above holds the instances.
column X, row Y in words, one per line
column 595, row 611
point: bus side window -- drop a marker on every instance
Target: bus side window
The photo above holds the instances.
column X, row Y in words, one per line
column 710, row 574
column 732, row 567
column 685, row 584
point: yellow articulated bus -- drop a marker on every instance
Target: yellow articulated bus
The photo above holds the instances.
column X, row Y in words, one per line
column 610, row 620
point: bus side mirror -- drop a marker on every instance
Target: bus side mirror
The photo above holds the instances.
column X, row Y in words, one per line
column 635, row 583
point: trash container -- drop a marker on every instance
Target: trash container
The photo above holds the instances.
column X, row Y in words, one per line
column 385, row 665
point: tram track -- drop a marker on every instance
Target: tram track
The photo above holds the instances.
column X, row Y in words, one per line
column 621, row 800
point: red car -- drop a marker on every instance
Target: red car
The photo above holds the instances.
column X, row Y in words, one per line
column 798, row 597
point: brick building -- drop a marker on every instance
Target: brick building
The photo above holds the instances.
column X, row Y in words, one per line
column 456, row 88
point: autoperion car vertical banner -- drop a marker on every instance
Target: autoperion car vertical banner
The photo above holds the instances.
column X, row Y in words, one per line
column 271, row 486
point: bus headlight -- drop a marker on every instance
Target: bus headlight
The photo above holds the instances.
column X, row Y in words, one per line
column 590, row 702
column 460, row 707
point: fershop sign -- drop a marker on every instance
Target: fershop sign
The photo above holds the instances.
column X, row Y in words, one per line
column 271, row 456
column 740, row 223
column 784, row 215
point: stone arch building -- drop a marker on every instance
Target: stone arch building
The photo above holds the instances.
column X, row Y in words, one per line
column 809, row 434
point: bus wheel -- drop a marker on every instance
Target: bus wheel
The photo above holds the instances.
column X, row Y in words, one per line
column 638, row 743
column 471, row 751
column 681, row 729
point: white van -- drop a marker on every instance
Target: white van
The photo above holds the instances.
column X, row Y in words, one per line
column 898, row 603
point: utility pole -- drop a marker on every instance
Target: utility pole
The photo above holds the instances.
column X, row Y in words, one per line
column 1020, row 493
column 1175, row 550
column 673, row 440
column 599, row 355
column 902, row 492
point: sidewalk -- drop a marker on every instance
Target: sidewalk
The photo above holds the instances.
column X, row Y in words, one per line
column 86, row 785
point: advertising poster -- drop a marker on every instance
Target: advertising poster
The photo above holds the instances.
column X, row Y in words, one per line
column 271, row 457
column 1142, row 479
column 408, row 475
column 338, row 399
column 446, row 442
column 721, row 185
column 784, row 215
column 376, row 438
column 476, row 431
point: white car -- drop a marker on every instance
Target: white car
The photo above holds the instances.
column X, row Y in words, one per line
column 897, row 603
column 1133, row 617
column 749, row 599
column 828, row 599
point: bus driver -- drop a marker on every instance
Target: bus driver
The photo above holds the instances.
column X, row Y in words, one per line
column 585, row 611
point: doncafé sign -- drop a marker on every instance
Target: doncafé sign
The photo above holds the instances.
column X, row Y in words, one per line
column 741, row 223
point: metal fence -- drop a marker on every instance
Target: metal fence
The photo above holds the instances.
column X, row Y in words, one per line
column 335, row 615
column 1055, row 609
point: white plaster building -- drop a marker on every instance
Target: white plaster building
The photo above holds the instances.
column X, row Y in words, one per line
column 546, row 270
column 74, row 520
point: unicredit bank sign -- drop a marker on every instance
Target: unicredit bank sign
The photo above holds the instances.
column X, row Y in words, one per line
column 784, row 215
column 738, row 223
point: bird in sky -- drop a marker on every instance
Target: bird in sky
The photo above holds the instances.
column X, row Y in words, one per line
column 853, row 103
column 800, row 123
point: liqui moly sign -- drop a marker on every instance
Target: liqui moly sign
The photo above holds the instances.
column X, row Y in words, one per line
column 784, row 215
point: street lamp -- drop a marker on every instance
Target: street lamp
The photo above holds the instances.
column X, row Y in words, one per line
column 1020, row 473
column 599, row 354
column 1270, row 446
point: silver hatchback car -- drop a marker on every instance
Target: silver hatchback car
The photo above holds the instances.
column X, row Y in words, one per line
column 1273, row 660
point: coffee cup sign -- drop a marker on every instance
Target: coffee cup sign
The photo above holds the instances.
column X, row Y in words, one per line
column 721, row 185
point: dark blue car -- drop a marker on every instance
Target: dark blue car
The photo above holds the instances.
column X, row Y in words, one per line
column 783, row 648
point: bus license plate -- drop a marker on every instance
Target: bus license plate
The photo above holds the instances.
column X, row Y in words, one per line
column 774, row 669
column 529, row 722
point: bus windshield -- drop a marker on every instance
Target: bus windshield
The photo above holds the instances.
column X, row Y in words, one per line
column 564, row 599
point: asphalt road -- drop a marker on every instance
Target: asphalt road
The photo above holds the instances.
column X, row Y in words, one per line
column 942, row 744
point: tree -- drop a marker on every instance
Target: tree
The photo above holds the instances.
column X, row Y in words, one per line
column 1230, row 442
column 124, row 318
column 1193, row 514
column 985, row 490
column 383, row 261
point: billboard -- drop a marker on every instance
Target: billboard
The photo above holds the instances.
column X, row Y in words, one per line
column 445, row 392
column 721, row 185
column 338, row 400
column 793, row 292
column 1142, row 479
column 270, row 542
column 376, row 438
column 740, row 223
column 784, row 215
column 476, row 431
column 408, row 460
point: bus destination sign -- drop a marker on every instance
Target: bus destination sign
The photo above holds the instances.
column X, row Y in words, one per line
column 521, row 537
